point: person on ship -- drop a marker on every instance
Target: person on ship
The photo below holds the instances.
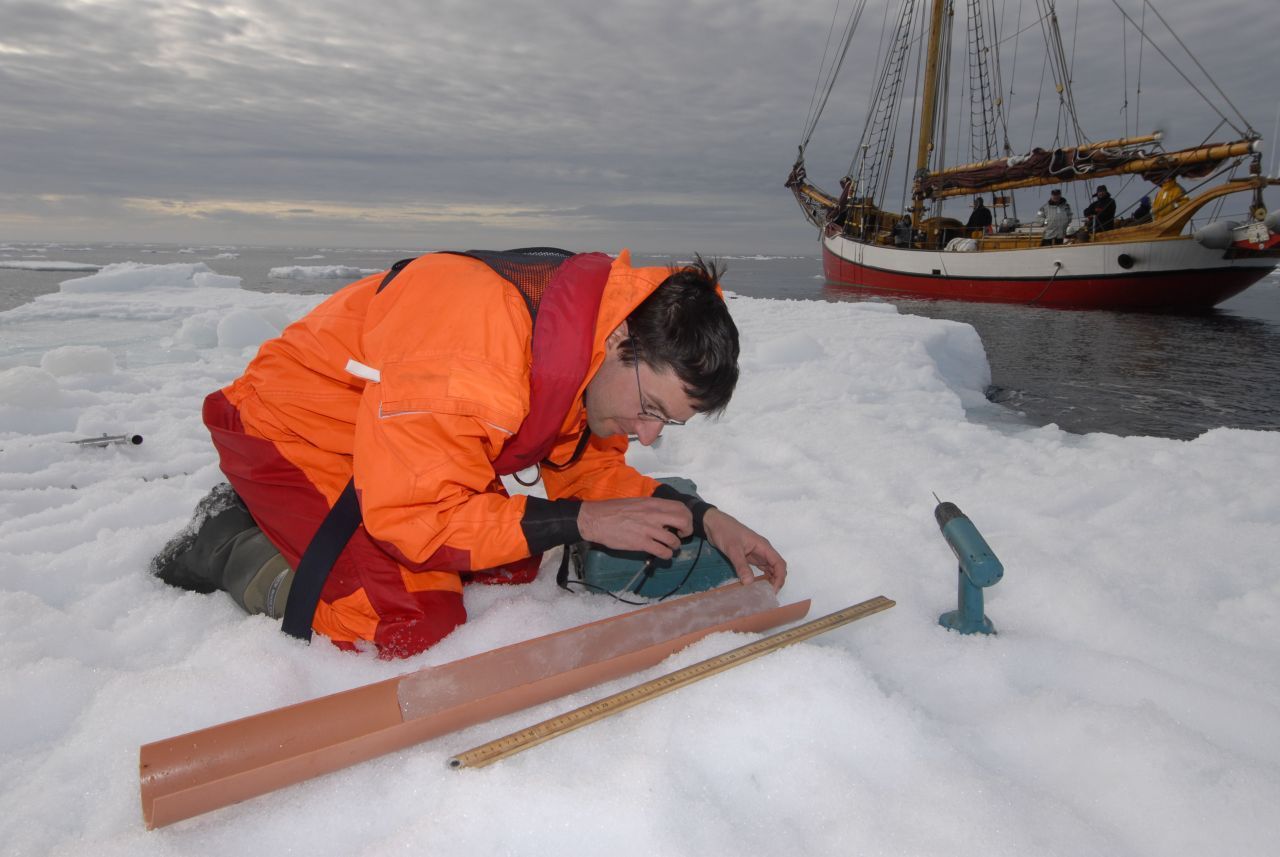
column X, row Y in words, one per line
column 980, row 217
column 370, row 436
column 1142, row 214
column 1100, row 215
column 903, row 233
column 1056, row 214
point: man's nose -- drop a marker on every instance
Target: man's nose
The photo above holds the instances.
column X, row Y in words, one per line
column 647, row 431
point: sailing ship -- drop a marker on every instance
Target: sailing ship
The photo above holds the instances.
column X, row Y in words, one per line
column 1181, row 254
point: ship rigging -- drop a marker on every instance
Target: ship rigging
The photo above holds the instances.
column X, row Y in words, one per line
column 1181, row 253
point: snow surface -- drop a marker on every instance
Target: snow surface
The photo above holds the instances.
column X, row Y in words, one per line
column 319, row 272
column 1130, row 704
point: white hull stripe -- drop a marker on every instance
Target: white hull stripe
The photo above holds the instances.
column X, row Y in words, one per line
column 1038, row 263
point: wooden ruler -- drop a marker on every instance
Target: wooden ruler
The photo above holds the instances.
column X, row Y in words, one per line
column 509, row 745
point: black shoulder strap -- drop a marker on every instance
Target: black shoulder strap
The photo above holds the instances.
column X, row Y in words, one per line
column 392, row 272
column 326, row 545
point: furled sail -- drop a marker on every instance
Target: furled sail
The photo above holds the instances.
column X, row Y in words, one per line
column 1113, row 157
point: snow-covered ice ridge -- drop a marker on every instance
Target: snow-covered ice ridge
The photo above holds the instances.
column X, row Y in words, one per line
column 319, row 272
column 1130, row 704
column 47, row 265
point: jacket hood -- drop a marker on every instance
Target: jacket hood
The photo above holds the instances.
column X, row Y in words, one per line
column 626, row 289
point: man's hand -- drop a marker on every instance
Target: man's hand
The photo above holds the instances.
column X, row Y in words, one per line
column 647, row 524
column 744, row 548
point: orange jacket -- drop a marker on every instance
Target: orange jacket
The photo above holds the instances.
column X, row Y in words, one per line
column 449, row 341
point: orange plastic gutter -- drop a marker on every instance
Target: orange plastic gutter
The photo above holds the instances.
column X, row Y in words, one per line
column 201, row 771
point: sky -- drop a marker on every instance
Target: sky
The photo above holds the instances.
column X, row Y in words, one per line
column 666, row 126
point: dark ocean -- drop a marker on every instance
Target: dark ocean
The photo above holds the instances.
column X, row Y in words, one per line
column 1125, row 373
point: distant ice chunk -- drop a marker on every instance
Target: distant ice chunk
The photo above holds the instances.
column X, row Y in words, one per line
column 243, row 328
column 47, row 265
column 320, row 272
column 198, row 331
column 78, row 360
column 215, row 281
column 30, row 388
column 275, row 316
column 134, row 276
column 236, row 328
column 32, row 402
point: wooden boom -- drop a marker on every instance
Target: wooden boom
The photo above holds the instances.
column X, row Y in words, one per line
column 1082, row 150
column 1163, row 161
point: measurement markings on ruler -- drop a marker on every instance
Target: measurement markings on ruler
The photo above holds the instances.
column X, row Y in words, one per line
column 531, row 736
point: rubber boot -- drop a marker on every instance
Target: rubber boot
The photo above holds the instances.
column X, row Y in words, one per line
column 255, row 575
column 192, row 559
column 222, row 548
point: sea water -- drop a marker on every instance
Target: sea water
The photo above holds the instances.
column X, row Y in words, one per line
column 1125, row 373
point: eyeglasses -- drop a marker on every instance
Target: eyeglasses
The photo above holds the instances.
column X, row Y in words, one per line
column 645, row 412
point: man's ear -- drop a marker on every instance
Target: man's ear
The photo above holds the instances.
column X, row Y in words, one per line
column 616, row 337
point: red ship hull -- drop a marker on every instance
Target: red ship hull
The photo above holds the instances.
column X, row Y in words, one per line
column 1184, row 290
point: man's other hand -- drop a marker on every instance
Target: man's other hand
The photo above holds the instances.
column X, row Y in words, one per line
column 745, row 548
column 647, row 524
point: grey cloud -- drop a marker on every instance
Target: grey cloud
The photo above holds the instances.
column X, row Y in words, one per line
column 577, row 109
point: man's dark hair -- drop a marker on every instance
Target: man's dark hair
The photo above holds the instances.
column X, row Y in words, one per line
column 685, row 324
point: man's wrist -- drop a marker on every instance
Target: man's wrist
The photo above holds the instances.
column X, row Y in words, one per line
column 696, row 505
column 550, row 523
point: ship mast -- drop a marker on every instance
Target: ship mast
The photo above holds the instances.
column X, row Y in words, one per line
column 929, row 100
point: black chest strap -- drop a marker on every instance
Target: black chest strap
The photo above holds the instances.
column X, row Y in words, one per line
column 326, row 546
